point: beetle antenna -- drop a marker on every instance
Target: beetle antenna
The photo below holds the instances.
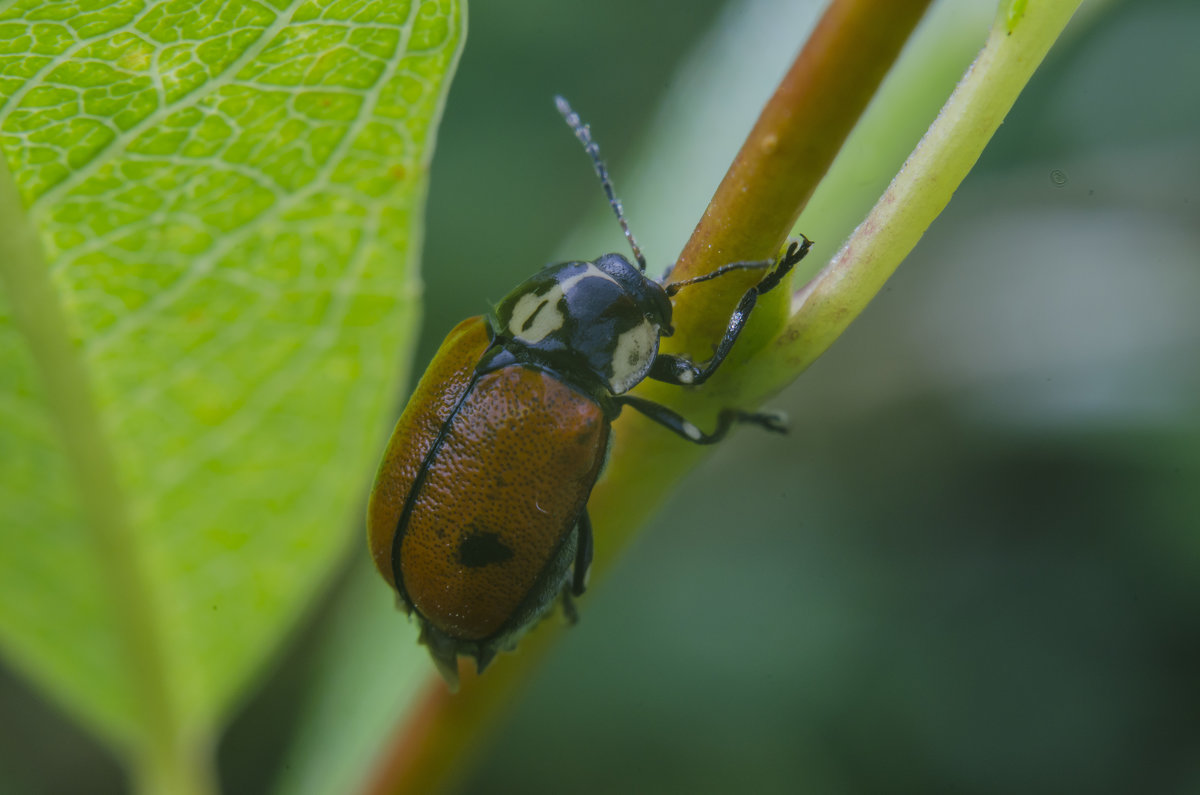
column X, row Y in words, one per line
column 584, row 134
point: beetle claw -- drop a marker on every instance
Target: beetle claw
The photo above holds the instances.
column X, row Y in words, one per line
column 569, row 610
column 776, row 421
column 484, row 657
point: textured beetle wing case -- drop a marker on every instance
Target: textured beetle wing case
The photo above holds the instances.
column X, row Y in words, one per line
column 439, row 391
column 492, row 529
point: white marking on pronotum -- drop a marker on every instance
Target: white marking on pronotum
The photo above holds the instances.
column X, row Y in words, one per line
column 535, row 317
column 632, row 356
column 590, row 272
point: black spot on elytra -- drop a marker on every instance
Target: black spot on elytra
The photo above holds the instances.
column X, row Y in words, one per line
column 481, row 548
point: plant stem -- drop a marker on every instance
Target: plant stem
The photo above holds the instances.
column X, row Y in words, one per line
column 792, row 145
column 922, row 189
column 803, row 126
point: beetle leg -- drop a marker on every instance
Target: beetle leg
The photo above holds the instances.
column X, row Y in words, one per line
column 444, row 653
column 583, row 554
column 683, row 371
column 483, row 657
column 751, row 265
column 772, row 421
column 569, row 611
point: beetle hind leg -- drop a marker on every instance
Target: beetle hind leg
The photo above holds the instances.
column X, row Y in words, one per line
column 579, row 572
column 444, row 651
column 583, row 554
column 570, row 611
column 773, row 421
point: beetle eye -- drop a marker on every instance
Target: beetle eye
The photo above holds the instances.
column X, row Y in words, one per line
column 666, row 330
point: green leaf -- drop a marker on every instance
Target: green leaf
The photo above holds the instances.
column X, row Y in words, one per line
column 201, row 346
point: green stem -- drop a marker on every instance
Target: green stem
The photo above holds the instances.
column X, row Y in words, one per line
column 922, row 189
column 163, row 761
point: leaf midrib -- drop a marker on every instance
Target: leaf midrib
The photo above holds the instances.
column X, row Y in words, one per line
column 41, row 319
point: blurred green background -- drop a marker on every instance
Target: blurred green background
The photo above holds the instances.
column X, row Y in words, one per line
column 974, row 566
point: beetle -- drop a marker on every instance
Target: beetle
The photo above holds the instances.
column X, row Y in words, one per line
column 478, row 516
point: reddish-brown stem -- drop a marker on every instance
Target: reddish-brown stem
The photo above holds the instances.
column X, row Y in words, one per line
column 792, row 145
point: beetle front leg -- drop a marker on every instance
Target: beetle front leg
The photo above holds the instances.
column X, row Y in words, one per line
column 681, row 370
column 749, row 265
column 770, row 420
